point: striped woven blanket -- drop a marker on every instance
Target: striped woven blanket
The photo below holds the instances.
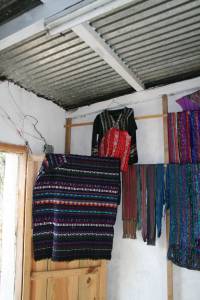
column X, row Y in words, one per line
column 75, row 201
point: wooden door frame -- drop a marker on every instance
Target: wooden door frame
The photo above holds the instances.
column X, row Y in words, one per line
column 22, row 151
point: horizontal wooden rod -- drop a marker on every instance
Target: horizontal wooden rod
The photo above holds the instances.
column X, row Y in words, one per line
column 136, row 118
column 63, row 273
column 11, row 148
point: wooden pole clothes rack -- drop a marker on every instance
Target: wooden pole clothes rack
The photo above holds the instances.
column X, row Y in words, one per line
column 68, row 127
column 69, row 123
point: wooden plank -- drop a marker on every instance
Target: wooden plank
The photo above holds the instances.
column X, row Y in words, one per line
column 88, row 287
column 63, row 265
column 166, row 160
column 165, row 126
column 68, row 136
column 63, row 288
column 103, row 280
column 64, row 273
column 85, row 263
column 10, row 148
column 31, row 291
column 39, row 289
column 20, row 224
column 28, row 232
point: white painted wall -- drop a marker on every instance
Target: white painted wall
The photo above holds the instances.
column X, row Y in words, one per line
column 17, row 102
column 138, row 271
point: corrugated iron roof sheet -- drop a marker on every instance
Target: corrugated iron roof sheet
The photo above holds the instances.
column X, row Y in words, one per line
column 157, row 39
column 62, row 68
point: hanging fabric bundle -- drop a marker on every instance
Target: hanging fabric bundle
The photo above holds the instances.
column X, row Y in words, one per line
column 151, row 193
column 160, row 196
column 143, row 201
column 183, row 127
column 183, row 200
column 190, row 102
column 195, row 135
column 75, row 201
column 129, row 202
column 172, row 138
column 184, row 137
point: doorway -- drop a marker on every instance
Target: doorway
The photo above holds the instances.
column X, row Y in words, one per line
column 12, row 183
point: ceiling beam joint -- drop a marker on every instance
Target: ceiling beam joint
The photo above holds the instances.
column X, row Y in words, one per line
column 93, row 39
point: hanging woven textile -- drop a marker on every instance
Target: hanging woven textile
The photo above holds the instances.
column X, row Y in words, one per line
column 172, row 138
column 116, row 143
column 195, row 135
column 75, row 201
column 143, row 201
column 129, row 202
column 160, row 196
column 183, row 200
column 184, row 131
column 184, row 137
column 190, row 102
column 151, row 204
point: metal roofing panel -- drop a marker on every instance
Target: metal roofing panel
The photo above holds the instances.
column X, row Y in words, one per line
column 62, row 68
column 159, row 40
column 155, row 37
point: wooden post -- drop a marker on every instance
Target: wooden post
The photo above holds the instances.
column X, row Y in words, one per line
column 166, row 160
column 68, row 136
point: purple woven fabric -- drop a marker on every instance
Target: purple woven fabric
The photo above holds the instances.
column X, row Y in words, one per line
column 173, row 138
column 184, row 138
column 190, row 102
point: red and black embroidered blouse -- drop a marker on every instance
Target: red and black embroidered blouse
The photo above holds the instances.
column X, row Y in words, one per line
column 122, row 119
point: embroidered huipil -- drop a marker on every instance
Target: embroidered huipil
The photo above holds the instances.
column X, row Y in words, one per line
column 122, row 120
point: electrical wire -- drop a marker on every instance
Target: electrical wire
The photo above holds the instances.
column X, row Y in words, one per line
column 34, row 125
column 23, row 117
column 19, row 132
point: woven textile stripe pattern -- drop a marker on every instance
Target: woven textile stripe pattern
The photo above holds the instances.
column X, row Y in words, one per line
column 75, row 201
column 143, row 201
column 184, row 137
column 183, row 200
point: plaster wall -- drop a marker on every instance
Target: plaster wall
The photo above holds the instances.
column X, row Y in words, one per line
column 21, row 106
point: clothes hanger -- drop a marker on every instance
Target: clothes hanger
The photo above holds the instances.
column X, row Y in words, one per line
column 116, row 107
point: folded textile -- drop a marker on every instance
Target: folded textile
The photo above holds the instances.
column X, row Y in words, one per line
column 75, row 201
